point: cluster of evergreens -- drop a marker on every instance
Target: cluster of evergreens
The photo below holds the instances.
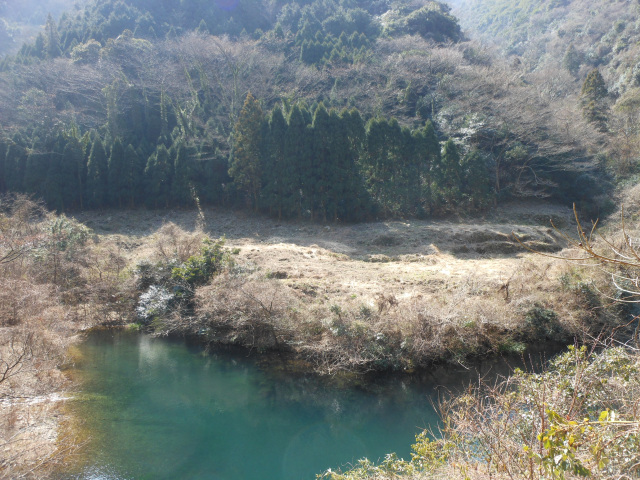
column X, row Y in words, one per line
column 70, row 172
column 330, row 165
column 292, row 163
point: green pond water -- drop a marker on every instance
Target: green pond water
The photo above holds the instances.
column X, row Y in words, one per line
column 162, row 409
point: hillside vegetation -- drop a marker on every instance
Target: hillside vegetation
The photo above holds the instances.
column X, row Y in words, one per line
column 559, row 44
column 132, row 108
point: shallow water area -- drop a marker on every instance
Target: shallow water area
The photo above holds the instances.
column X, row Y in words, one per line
column 162, row 409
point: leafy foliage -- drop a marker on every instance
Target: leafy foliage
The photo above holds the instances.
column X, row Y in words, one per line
column 199, row 269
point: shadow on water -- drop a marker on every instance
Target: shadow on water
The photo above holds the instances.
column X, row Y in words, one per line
column 164, row 409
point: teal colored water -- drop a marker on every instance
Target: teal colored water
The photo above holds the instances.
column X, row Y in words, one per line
column 160, row 409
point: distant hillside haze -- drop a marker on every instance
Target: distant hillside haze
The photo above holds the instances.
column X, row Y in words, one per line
column 21, row 20
column 34, row 12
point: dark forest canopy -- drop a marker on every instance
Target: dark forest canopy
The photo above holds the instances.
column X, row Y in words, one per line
column 357, row 110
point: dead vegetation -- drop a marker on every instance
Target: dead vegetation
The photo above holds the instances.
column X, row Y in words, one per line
column 54, row 282
column 323, row 295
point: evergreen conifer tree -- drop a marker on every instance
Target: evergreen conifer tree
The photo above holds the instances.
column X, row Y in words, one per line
column 593, row 99
column 182, row 176
column 118, row 173
column 158, row 178
column 53, row 186
column 476, row 180
column 322, row 163
column 294, row 149
column 274, row 171
column 97, row 175
column 202, row 28
column 449, row 177
column 3, row 155
column 51, row 39
column 135, row 178
column 428, row 152
column 245, row 167
column 14, row 166
column 71, row 169
column 36, row 168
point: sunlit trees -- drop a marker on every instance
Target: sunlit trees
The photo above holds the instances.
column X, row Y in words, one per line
column 593, row 99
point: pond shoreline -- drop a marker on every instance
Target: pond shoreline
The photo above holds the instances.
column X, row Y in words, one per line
column 282, row 370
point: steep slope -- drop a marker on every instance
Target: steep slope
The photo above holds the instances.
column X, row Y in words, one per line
column 559, row 43
column 175, row 81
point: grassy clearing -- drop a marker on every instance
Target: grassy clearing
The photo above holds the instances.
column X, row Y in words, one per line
column 383, row 296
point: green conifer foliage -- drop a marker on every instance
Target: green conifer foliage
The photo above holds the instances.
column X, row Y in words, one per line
column 202, row 28
column 36, row 168
column 53, row 186
column 322, row 165
column 182, row 177
column 572, row 60
column 593, row 99
column 71, row 174
column 476, row 180
column 3, row 155
column 245, row 168
column 39, row 48
column 294, row 150
column 158, row 177
column 383, row 152
column 97, row 176
column 118, row 173
column 135, row 176
column 51, row 39
column 449, row 176
column 594, row 87
column 274, row 171
column 428, row 153
column 15, row 163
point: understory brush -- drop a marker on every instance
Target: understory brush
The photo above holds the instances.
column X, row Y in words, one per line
column 388, row 332
column 55, row 280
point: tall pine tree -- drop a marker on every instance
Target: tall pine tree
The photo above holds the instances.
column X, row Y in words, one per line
column 294, row 150
column 119, row 184
column 97, row 186
column 245, row 167
column 182, row 176
column 71, row 172
column 158, row 178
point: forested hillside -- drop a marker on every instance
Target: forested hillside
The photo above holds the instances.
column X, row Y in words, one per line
column 326, row 110
column 562, row 44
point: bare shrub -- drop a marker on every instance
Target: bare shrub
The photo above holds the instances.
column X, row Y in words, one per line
column 173, row 243
column 21, row 300
column 254, row 312
column 19, row 229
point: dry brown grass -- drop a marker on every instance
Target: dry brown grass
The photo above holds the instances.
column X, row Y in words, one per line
column 445, row 290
